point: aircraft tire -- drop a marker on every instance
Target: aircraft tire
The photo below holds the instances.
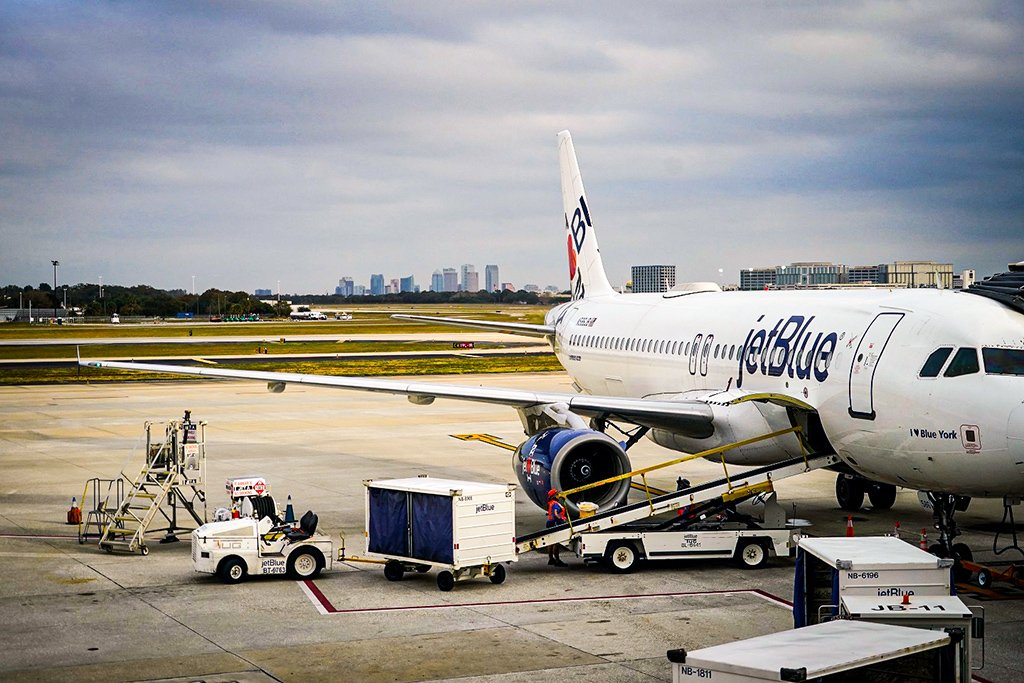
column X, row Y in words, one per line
column 882, row 496
column 849, row 492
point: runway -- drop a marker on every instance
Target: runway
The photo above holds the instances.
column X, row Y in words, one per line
column 74, row 612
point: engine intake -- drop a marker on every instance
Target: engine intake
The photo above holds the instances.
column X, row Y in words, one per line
column 561, row 458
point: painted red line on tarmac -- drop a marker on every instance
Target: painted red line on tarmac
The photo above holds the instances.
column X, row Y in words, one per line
column 324, row 605
column 44, row 536
column 316, row 594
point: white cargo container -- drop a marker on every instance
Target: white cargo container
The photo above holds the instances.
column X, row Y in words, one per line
column 835, row 650
column 828, row 569
column 466, row 529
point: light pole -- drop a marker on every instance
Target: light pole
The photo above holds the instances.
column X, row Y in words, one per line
column 56, row 299
column 194, row 294
column 102, row 301
column 65, row 299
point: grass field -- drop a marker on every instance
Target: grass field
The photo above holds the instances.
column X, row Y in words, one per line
column 369, row 320
column 365, row 320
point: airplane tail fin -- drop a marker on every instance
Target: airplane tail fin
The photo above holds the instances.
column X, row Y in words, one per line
column 586, row 270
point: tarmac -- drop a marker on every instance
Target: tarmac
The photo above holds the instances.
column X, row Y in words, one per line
column 73, row 612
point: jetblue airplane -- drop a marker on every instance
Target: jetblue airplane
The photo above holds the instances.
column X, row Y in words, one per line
column 917, row 388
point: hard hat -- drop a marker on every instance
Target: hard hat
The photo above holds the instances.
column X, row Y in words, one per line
column 552, row 493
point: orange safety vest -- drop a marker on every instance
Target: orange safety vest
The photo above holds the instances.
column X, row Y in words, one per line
column 555, row 511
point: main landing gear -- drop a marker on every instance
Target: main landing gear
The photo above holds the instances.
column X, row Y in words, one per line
column 850, row 490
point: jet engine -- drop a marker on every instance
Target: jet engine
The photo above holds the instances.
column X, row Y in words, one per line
column 562, row 458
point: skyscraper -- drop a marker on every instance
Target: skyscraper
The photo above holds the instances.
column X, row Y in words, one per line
column 407, row 284
column 451, row 280
column 437, row 282
column 491, row 282
column 345, row 287
column 377, row 284
column 470, row 280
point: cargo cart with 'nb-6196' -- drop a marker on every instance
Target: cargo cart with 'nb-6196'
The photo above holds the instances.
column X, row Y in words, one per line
column 465, row 529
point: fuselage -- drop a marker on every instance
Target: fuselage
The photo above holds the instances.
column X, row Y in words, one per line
column 873, row 364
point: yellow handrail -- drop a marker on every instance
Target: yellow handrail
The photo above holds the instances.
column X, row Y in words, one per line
column 686, row 458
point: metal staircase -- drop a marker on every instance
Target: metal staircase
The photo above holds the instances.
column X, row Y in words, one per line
column 173, row 480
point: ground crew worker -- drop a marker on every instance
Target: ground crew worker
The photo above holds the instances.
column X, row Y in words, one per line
column 556, row 516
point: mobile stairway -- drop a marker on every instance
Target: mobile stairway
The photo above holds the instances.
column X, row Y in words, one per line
column 172, row 481
column 725, row 489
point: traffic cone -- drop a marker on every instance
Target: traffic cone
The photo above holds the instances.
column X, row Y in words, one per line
column 289, row 512
column 924, row 539
column 906, row 598
column 75, row 513
column 896, row 529
column 849, row 526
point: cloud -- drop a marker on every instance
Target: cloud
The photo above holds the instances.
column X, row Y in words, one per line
column 254, row 143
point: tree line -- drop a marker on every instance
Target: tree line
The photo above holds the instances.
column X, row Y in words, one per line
column 144, row 300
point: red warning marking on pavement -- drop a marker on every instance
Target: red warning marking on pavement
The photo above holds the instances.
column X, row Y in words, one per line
column 324, row 605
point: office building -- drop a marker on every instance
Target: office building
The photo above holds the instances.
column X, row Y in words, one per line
column 921, row 274
column 437, row 282
column 451, row 280
column 345, row 287
column 757, row 278
column 653, row 278
column 860, row 275
column 965, row 279
column 491, row 281
column 377, row 284
column 407, row 284
column 263, row 292
column 810, row 274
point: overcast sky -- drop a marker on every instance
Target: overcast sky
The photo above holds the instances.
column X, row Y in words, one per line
column 251, row 143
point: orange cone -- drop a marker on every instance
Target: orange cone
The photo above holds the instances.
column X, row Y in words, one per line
column 906, row 598
column 74, row 513
column 924, row 539
column 849, row 526
column 896, row 529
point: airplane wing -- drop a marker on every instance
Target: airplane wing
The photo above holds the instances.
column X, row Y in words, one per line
column 692, row 417
column 491, row 325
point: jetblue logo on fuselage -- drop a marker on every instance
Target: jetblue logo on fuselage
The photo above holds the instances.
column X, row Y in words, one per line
column 790, row 347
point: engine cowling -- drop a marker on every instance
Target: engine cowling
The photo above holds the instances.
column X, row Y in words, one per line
column 562, row 458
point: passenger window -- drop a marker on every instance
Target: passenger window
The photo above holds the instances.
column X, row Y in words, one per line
column 717, row 346
column 935, row 362
column 964, row 362
column 1003, row 361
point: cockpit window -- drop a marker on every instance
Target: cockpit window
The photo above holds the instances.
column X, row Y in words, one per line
column 964, row 362
column 1003, row 361
column 935, row 362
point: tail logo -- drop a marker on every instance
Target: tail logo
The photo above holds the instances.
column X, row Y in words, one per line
column 577, row 228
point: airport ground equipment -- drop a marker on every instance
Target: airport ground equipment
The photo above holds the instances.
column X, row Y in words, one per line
column 464, row 529
column 829, row 569
column 716, row 491
column 104, row 496
column 946, row 613
column 250, row 497
column 169, row 494
column 831, row 652
column 254, row 546
column 717, row 529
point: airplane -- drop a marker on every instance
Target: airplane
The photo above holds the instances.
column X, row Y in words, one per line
column 914, row 388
